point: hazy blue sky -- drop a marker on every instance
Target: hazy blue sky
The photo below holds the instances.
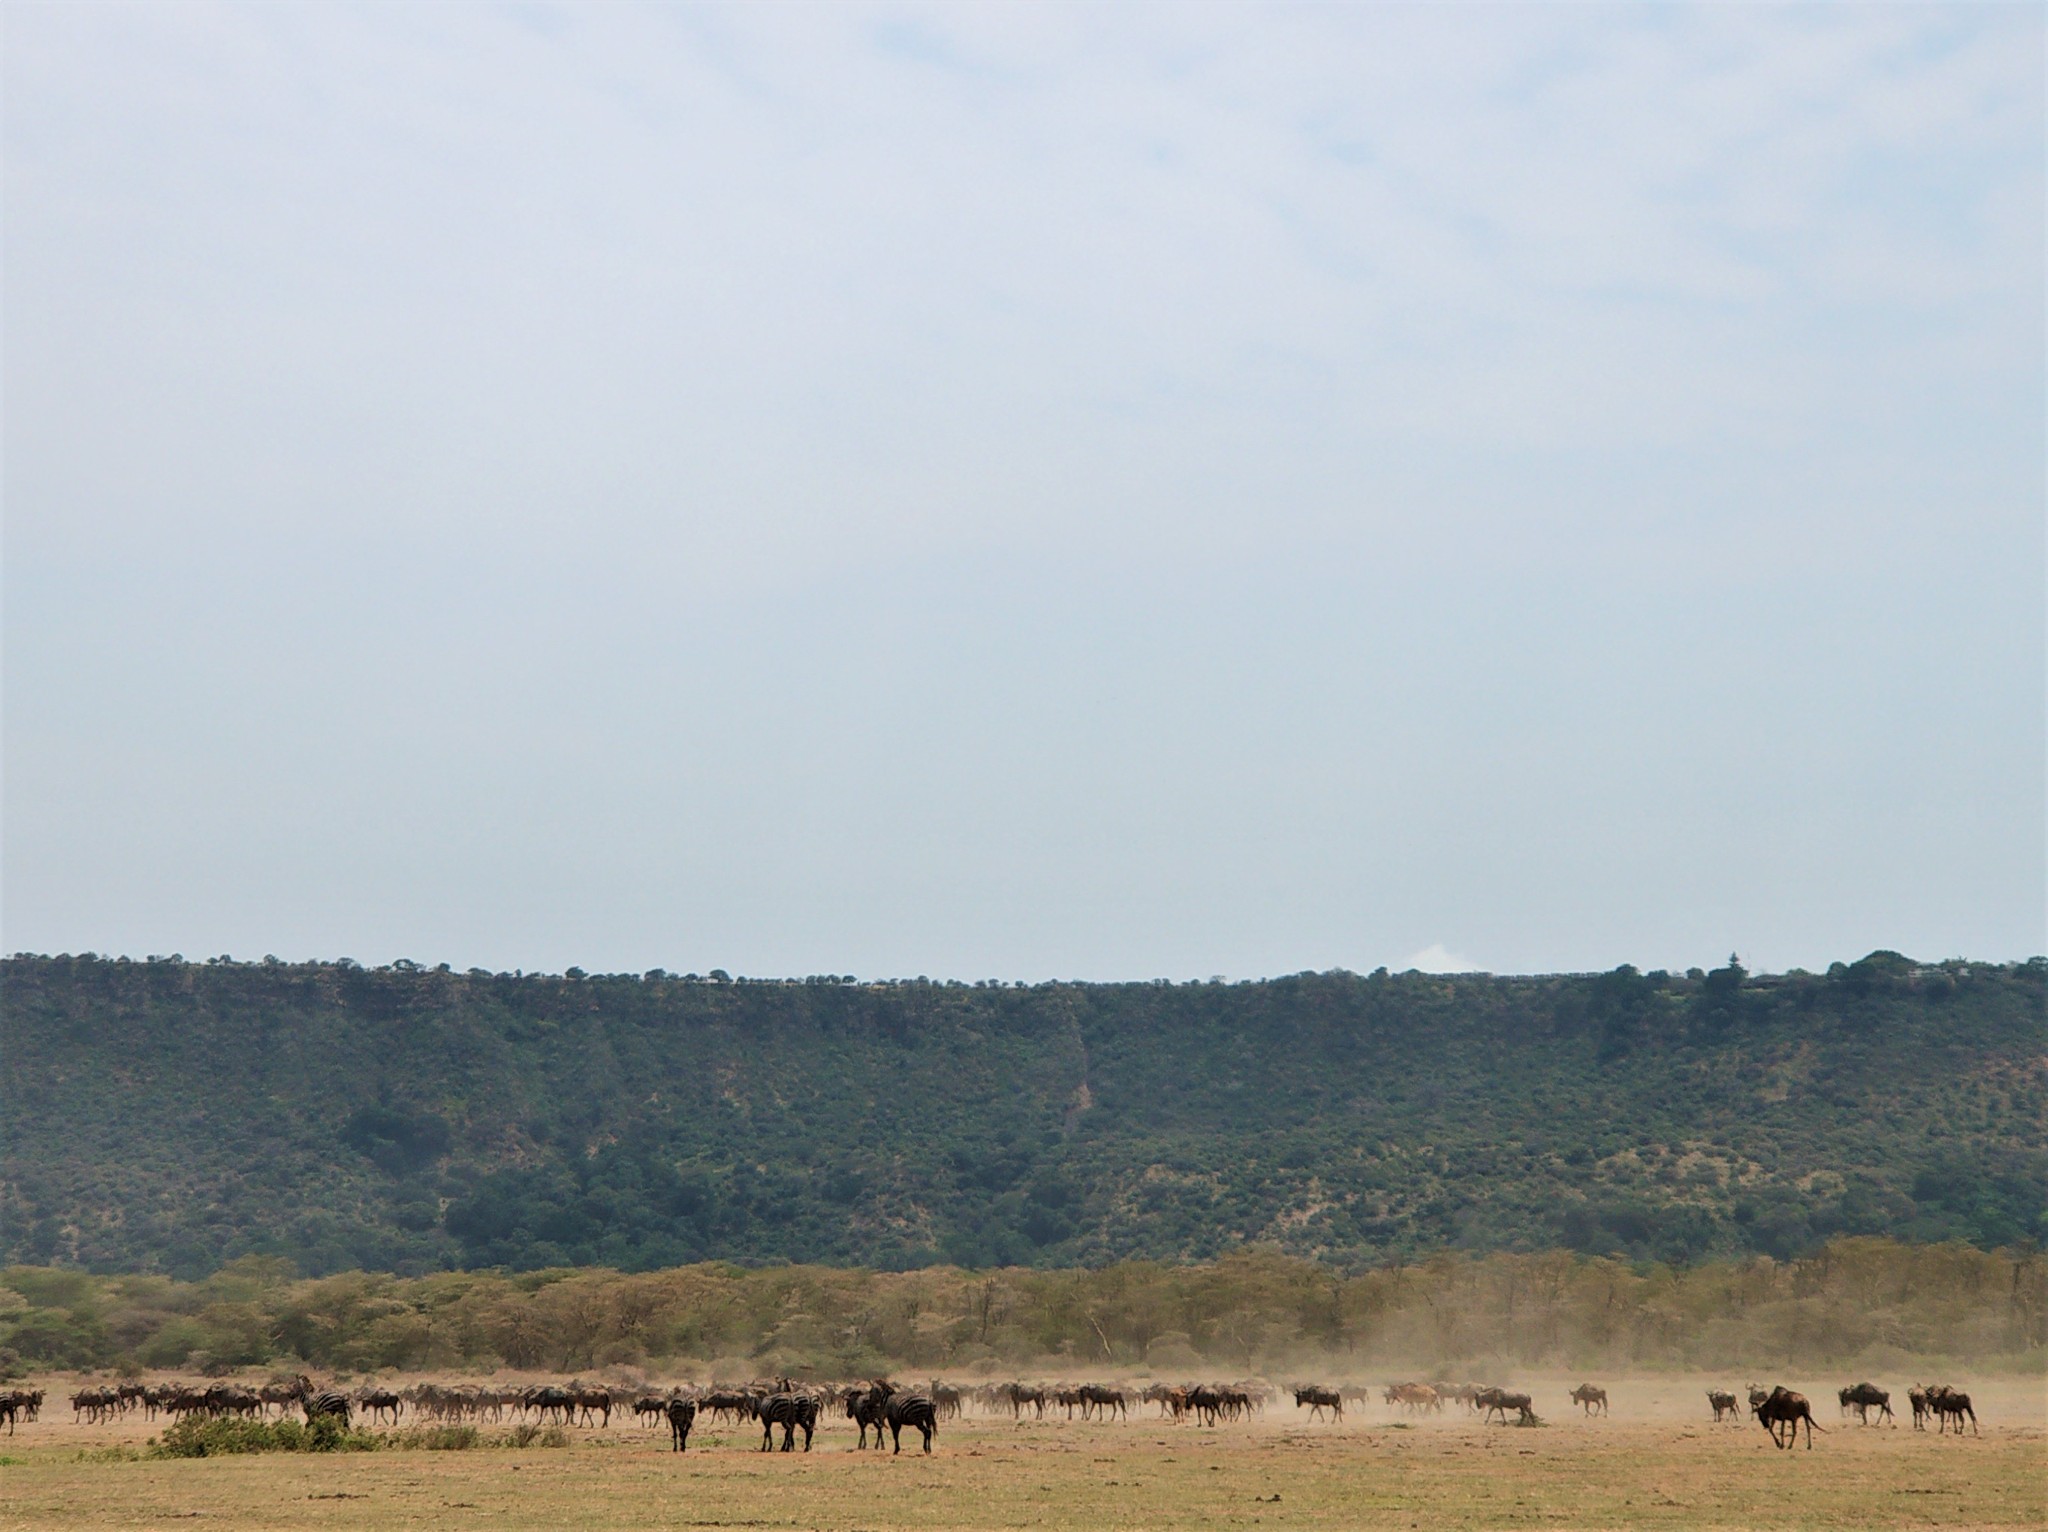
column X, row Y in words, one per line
column 1022, row 491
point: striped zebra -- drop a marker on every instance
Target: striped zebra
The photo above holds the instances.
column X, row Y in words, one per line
column 911, row 1410
column 792, row 1412
column 329, row 1404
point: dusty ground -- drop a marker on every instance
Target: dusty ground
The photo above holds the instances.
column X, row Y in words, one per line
column 1657, row 1462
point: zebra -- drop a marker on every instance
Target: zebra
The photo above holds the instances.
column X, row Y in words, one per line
column 792, row 1412
column 682, row 1414
column 328, row 1405
column 911, row 1410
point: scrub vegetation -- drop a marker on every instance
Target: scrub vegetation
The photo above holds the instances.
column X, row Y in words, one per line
column 1872, row 1304
column 165, row 1116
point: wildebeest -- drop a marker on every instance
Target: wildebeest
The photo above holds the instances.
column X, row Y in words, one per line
column 732, row 1403
column 379, row 1402
column 866, row 1408
column 1917, row 1397
column 911, row 1410
column 1318, row 1400
column 1417, row 1396
column 1724, row 1404
column 95, row 1404
column 1096, row 1401
column 1783, row 1408
column 592, row 1401
column 286, row 1394
column 1491, row 1399
column 651, row 1408
column 793, row 1412
column 1017, row 1395
column 1865, row 1397
column 1587, row 1396
column 682, row 1414
column 1950, row 1406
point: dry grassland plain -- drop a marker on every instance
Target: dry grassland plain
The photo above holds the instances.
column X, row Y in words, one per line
column 1657, row 1462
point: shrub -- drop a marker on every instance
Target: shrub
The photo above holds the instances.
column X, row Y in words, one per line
column 532, row 1435
column 194, row 1437
column 436, row 1439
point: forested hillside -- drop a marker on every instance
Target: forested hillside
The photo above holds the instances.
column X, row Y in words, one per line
column 170, row 1116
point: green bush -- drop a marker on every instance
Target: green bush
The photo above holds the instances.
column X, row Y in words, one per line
column 436, row 1439
column 194, row 1437
column 531, row 1435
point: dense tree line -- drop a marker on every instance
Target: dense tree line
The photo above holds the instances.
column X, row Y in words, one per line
column 1877, row 1301
column 170, row 1116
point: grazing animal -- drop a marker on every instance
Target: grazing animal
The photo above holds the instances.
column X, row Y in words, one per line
column 911, row 1410
column 1318, row 1400
column 591, row 1401
column 1917, row 1397
column 793, row 1412
column 1017, row 1395
column 1950, row 1406
column 1865, row 1397
column 682, row 1414
column 732, row 1403
column 652, row 1405
column 1096, row 1400
column 1587, row 1396
column 94, row 1404
column 330, row 1405
column 379, row 1402
column 1783, row 1408
column 284, row 1395
column 1491, row 1399
column 1416, row 1396
column 866, row 1408
column 1724, row 1404
column 1757, row 1395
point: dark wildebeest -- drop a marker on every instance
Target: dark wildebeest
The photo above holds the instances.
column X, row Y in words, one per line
column 1724, row 1404
column 793, row 1412
column 682, row 1414
column 590, row 1401
column 866, row 1408
column 911, row 1410
column 1865, row 1397
column 650, row 1408
column 1318, row 1400
column 1587, row 1396
column 1491, row 1399
column 1782, row 1407
column 1950, row 1405
column 1096, row 1400
column 378, row 1402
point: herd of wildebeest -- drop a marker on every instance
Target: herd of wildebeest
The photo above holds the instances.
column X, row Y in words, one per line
column 879, row 1404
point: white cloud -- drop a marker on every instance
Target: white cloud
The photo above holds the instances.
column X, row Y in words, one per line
column 1437, row 958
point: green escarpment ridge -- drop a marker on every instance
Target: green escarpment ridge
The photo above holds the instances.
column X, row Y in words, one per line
column 170, row 1116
